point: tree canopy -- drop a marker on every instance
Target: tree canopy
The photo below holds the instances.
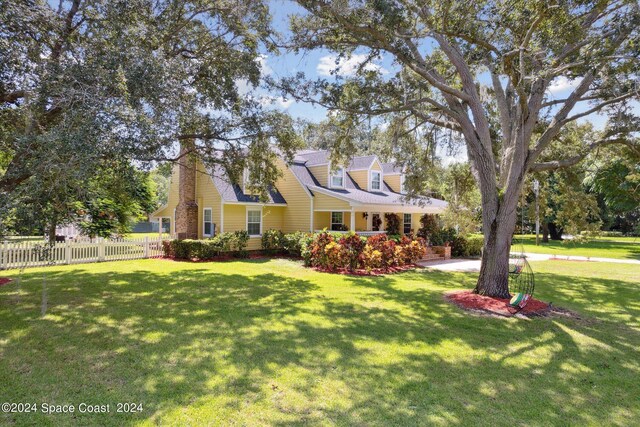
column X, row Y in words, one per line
column 89, row 80
column 482, row 70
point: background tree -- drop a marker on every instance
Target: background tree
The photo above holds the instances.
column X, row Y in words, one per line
column 482, row 70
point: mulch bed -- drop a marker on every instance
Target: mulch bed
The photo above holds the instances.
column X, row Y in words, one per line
column 229, row 258
column 4, row 280
column 373, row 272
column 467, row 300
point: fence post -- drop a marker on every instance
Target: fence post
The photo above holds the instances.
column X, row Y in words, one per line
column 5, row 255
column 146, row 246
column 67, row 252
column 101, row 249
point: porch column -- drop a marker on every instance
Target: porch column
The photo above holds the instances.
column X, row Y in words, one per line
column 352, row 225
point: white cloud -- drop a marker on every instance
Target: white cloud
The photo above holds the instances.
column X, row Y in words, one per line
column 562, row 83
column 264, row 67
column 346, row 66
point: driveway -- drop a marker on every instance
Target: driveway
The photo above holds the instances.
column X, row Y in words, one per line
column 473, row 265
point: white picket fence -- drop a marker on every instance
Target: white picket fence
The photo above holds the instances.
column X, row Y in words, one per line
column 33, row 254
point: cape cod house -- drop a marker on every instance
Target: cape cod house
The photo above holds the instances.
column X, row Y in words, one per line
column 308, row 197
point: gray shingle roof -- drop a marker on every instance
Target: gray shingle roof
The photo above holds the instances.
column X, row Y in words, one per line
column 391, row 169
column 356, row 194
column 321, row 157
column 360, row 162
column 231, row 192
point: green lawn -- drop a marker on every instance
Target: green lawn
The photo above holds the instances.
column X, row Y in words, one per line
column 604, row 247
column 271, row 343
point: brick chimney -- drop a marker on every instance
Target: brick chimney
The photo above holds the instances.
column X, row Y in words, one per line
column 187, row 209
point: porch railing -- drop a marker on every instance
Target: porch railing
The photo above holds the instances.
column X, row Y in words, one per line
column 360, row 233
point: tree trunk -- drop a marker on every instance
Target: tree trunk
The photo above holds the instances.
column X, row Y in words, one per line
column 494, row 269
column 52, row 232
column 498, row 224
column 555, row 231
column 545, row 232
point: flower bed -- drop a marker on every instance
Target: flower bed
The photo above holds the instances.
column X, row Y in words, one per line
column 356, row 254
column 324, row 251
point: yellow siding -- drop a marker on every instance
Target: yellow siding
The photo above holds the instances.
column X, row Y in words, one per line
column 361, row 223
column 361, row 178
column 235, row 218
column 323, row 220
column 324, row 202
column 172, row 199
column 297, row 214
column 208, row 197
column 393, row 181
column 376, row 166
column 321, row 173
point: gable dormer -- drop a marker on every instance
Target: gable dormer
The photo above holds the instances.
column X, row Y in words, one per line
column 367, row 172
column 394, row 177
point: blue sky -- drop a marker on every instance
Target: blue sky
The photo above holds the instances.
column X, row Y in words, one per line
column 320, row 62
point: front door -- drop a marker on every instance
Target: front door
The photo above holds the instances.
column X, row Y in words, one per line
column 376, row 221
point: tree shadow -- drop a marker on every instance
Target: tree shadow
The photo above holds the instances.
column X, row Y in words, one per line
column 272, row 348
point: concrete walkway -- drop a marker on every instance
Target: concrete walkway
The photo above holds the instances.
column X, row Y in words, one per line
column 473, row 265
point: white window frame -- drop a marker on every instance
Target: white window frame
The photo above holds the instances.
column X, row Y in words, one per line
column 253, row 209
column 370, row 221
column 371, row 172
column 204, row 222
column 404, row 223
column 331, row 220
column 338, row 172
column 402, row 189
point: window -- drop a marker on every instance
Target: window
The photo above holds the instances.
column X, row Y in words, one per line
column 336, row 221
column 407, row 224
column 337, row 178
column 376, row 180
column 207, row 229
column 254, row 222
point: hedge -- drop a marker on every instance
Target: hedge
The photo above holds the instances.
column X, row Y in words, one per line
column 234, row 243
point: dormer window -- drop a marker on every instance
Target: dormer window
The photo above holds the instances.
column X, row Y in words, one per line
column 376, row 180
column 337, row 178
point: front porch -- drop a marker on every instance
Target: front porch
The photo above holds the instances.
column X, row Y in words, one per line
column 365, row 222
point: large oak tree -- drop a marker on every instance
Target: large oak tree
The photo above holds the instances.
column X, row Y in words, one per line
column 86, row 80
column 483, row 70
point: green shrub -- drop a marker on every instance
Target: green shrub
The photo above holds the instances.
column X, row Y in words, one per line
column 183, row 249
column 235, row 242
column 293, row 243
column 272, row 241
column 239, row 243
column 474, row 245
column 167, row 248
column 466, row 246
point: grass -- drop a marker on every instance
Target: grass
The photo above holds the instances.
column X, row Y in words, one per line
column 268, row 342
column 607, row 247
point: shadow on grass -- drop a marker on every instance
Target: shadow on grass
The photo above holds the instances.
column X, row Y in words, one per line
column 274, row 349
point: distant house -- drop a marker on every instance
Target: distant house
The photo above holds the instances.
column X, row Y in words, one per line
column 308, row 197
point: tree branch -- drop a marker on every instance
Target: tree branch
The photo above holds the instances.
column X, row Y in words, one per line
column 574, row 160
